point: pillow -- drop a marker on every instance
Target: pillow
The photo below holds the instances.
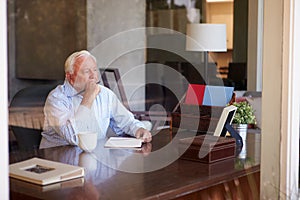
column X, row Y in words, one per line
column 240, row 99
column 217, row 95
column 208, row 95
column 252, row 94
column 239, row 93
column 255, row 102
column 194, row 94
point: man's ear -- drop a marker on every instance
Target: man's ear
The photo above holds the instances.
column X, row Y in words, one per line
column 70, row 78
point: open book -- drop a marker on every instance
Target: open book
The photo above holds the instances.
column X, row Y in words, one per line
column 123, row 142
column 44, row 172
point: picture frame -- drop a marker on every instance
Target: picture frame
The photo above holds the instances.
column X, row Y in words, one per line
column 224, row 125
column 226, row 118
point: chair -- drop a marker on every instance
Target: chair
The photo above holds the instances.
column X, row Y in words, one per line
column 223, row 72
column 111, row 78
column 237, row 73
column 26, row 115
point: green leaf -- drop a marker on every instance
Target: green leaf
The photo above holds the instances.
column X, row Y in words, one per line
column 244, row 113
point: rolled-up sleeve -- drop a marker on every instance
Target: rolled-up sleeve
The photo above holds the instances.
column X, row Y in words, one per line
column 63, row 120
column 123, row 120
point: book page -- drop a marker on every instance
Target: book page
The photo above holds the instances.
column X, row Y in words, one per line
column 31, row 188
column 123, row 142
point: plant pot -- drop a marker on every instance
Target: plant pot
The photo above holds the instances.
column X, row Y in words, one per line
column 241, row 129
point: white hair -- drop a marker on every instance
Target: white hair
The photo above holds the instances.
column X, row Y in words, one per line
column 69, row 64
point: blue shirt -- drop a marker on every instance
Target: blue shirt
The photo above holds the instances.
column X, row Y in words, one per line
column 65, row 117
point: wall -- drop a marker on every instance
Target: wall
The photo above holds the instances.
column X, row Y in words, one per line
column 254, row 54
column 116, row 23
column 41, row 34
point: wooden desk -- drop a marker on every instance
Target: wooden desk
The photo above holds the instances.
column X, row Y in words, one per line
column 182, row 179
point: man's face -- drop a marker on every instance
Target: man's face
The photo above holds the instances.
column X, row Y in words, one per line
column 85, row 70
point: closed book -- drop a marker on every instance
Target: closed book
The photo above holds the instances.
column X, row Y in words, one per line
column 17, row 185
column 44, row 172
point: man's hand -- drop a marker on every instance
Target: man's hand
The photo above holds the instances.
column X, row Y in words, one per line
column 143, row 134
column 146, row 148
column 91, row 91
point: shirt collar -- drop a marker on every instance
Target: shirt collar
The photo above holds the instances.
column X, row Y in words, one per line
column 69, row 90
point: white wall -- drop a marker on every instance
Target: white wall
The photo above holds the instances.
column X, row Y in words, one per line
column 3, row 103
column 280, row 102
column 254, row 53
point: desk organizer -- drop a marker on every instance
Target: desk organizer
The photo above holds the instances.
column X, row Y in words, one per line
column 214, row 148
column 196, row 118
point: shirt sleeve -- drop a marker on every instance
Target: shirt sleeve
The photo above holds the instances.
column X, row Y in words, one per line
column 123, row 120
column 66, row 120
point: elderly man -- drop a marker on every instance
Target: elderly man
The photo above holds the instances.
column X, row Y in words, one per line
column 80, row 104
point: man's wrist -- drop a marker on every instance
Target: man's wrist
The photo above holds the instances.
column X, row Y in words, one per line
column 87, row 102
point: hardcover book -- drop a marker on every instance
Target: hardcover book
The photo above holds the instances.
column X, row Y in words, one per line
column 44, row 172
column 31, row 188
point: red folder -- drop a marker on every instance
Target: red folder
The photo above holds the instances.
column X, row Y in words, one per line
column 195, row 94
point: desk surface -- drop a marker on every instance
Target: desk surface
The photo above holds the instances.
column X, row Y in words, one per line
column 104, row 181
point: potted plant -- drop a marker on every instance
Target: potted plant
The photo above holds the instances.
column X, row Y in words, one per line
column 244, row 113
column 243, row 117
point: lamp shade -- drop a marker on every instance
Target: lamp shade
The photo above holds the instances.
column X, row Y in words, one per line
column 206, row 37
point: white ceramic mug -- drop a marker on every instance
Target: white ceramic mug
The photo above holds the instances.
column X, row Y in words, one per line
column 87, row 140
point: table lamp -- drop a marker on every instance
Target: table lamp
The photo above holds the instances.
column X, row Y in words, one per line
column 206, row 38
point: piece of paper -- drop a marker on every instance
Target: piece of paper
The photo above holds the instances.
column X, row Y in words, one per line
column 123, row 142
column 44, row 172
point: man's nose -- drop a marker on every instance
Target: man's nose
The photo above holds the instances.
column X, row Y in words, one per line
column 93, row 74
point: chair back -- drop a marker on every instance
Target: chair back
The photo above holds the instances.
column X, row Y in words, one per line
column 26, row 116
column 111, row 78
